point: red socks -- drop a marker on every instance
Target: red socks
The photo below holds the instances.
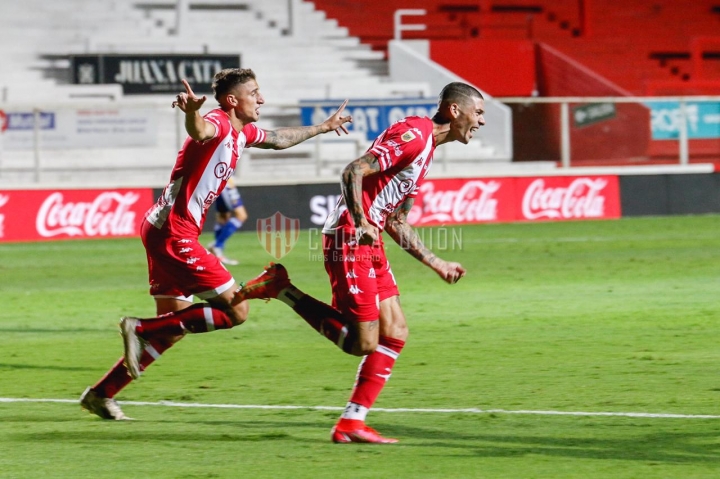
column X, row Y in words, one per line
column 326, row 320
column 375, row 370
column 118, row 377
column 198, row 318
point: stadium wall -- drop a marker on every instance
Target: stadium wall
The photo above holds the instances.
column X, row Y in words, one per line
column 36, row 215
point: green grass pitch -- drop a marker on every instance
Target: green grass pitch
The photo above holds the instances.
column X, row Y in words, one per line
column 618, row 317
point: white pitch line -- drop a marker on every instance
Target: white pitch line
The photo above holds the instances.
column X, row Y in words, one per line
column 379, row 409
column 585, row 239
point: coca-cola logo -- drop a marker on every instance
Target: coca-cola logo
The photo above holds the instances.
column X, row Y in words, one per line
column 581, row 199
column 472, row 202
column 3, row 201
column 108, row 215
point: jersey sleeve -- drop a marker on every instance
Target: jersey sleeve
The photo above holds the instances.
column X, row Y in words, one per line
column 221, row 126
column 399, row 145
column 253, row 134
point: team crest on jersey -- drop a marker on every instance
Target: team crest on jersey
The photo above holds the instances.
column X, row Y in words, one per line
column 278, row 234
column 408, row 136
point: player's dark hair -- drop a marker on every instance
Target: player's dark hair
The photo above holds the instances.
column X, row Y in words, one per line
column 227, row 79
column 458, row 92
column 455, row 92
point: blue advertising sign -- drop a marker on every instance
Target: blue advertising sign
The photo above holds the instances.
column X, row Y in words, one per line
column 702, row 119
column 26, row 120
column 369, row 117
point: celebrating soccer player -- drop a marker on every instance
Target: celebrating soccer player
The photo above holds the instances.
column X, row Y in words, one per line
column 379, row 189
column 179, row 266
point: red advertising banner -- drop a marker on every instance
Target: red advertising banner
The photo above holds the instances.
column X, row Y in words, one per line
column 34, row 215
column 568, row 198
column 490, row 200
column 453, row 201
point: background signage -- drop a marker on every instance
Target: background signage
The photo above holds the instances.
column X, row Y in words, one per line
column 72, row 128
column 154, row 73
column 368, row 117
column 702, row 120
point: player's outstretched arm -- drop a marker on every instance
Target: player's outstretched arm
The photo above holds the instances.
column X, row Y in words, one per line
column 195, row 124
column 286, row 137
column 405, row 235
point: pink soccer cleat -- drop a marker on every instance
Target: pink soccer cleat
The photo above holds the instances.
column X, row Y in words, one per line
column 267, row 285
column 349, row 430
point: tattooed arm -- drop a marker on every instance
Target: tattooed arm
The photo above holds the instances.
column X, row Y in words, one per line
column 405, row 235
column 351, row 185
column 286, row 137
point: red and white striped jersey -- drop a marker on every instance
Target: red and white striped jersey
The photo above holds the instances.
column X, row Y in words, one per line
column 201, row 171
column 404, row 152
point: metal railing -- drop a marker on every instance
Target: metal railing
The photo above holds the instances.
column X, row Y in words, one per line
column 681, row 118
column 37, row 149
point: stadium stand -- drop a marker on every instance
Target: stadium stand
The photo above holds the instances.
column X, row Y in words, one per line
column 337, row 49
column 637, row 44
column 306, row 57
column 562, row 48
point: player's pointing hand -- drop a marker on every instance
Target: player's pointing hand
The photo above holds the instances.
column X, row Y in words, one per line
column 188, row 101
column 337, row 122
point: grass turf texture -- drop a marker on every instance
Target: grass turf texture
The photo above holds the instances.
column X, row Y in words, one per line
column 609, row 316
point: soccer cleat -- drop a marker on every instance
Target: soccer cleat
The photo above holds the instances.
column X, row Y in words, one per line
column 106, row 408
column 228, row 261
column 348, row 430
column 221, row 255
column 133, row 344
column 268, row 284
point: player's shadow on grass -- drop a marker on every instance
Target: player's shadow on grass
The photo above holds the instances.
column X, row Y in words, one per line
column 125, row 434
column 658, row 447
column 45, row 367
column 51, row 330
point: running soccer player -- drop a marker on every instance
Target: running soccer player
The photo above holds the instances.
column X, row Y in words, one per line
column 179, row 267
column 378, row 189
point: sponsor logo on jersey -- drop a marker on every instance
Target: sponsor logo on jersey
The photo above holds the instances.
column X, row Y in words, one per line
column 351, row 274
column 354, row 289
column 223, row 171
column 406, row 185
column 396, row 147
column 209, row 200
